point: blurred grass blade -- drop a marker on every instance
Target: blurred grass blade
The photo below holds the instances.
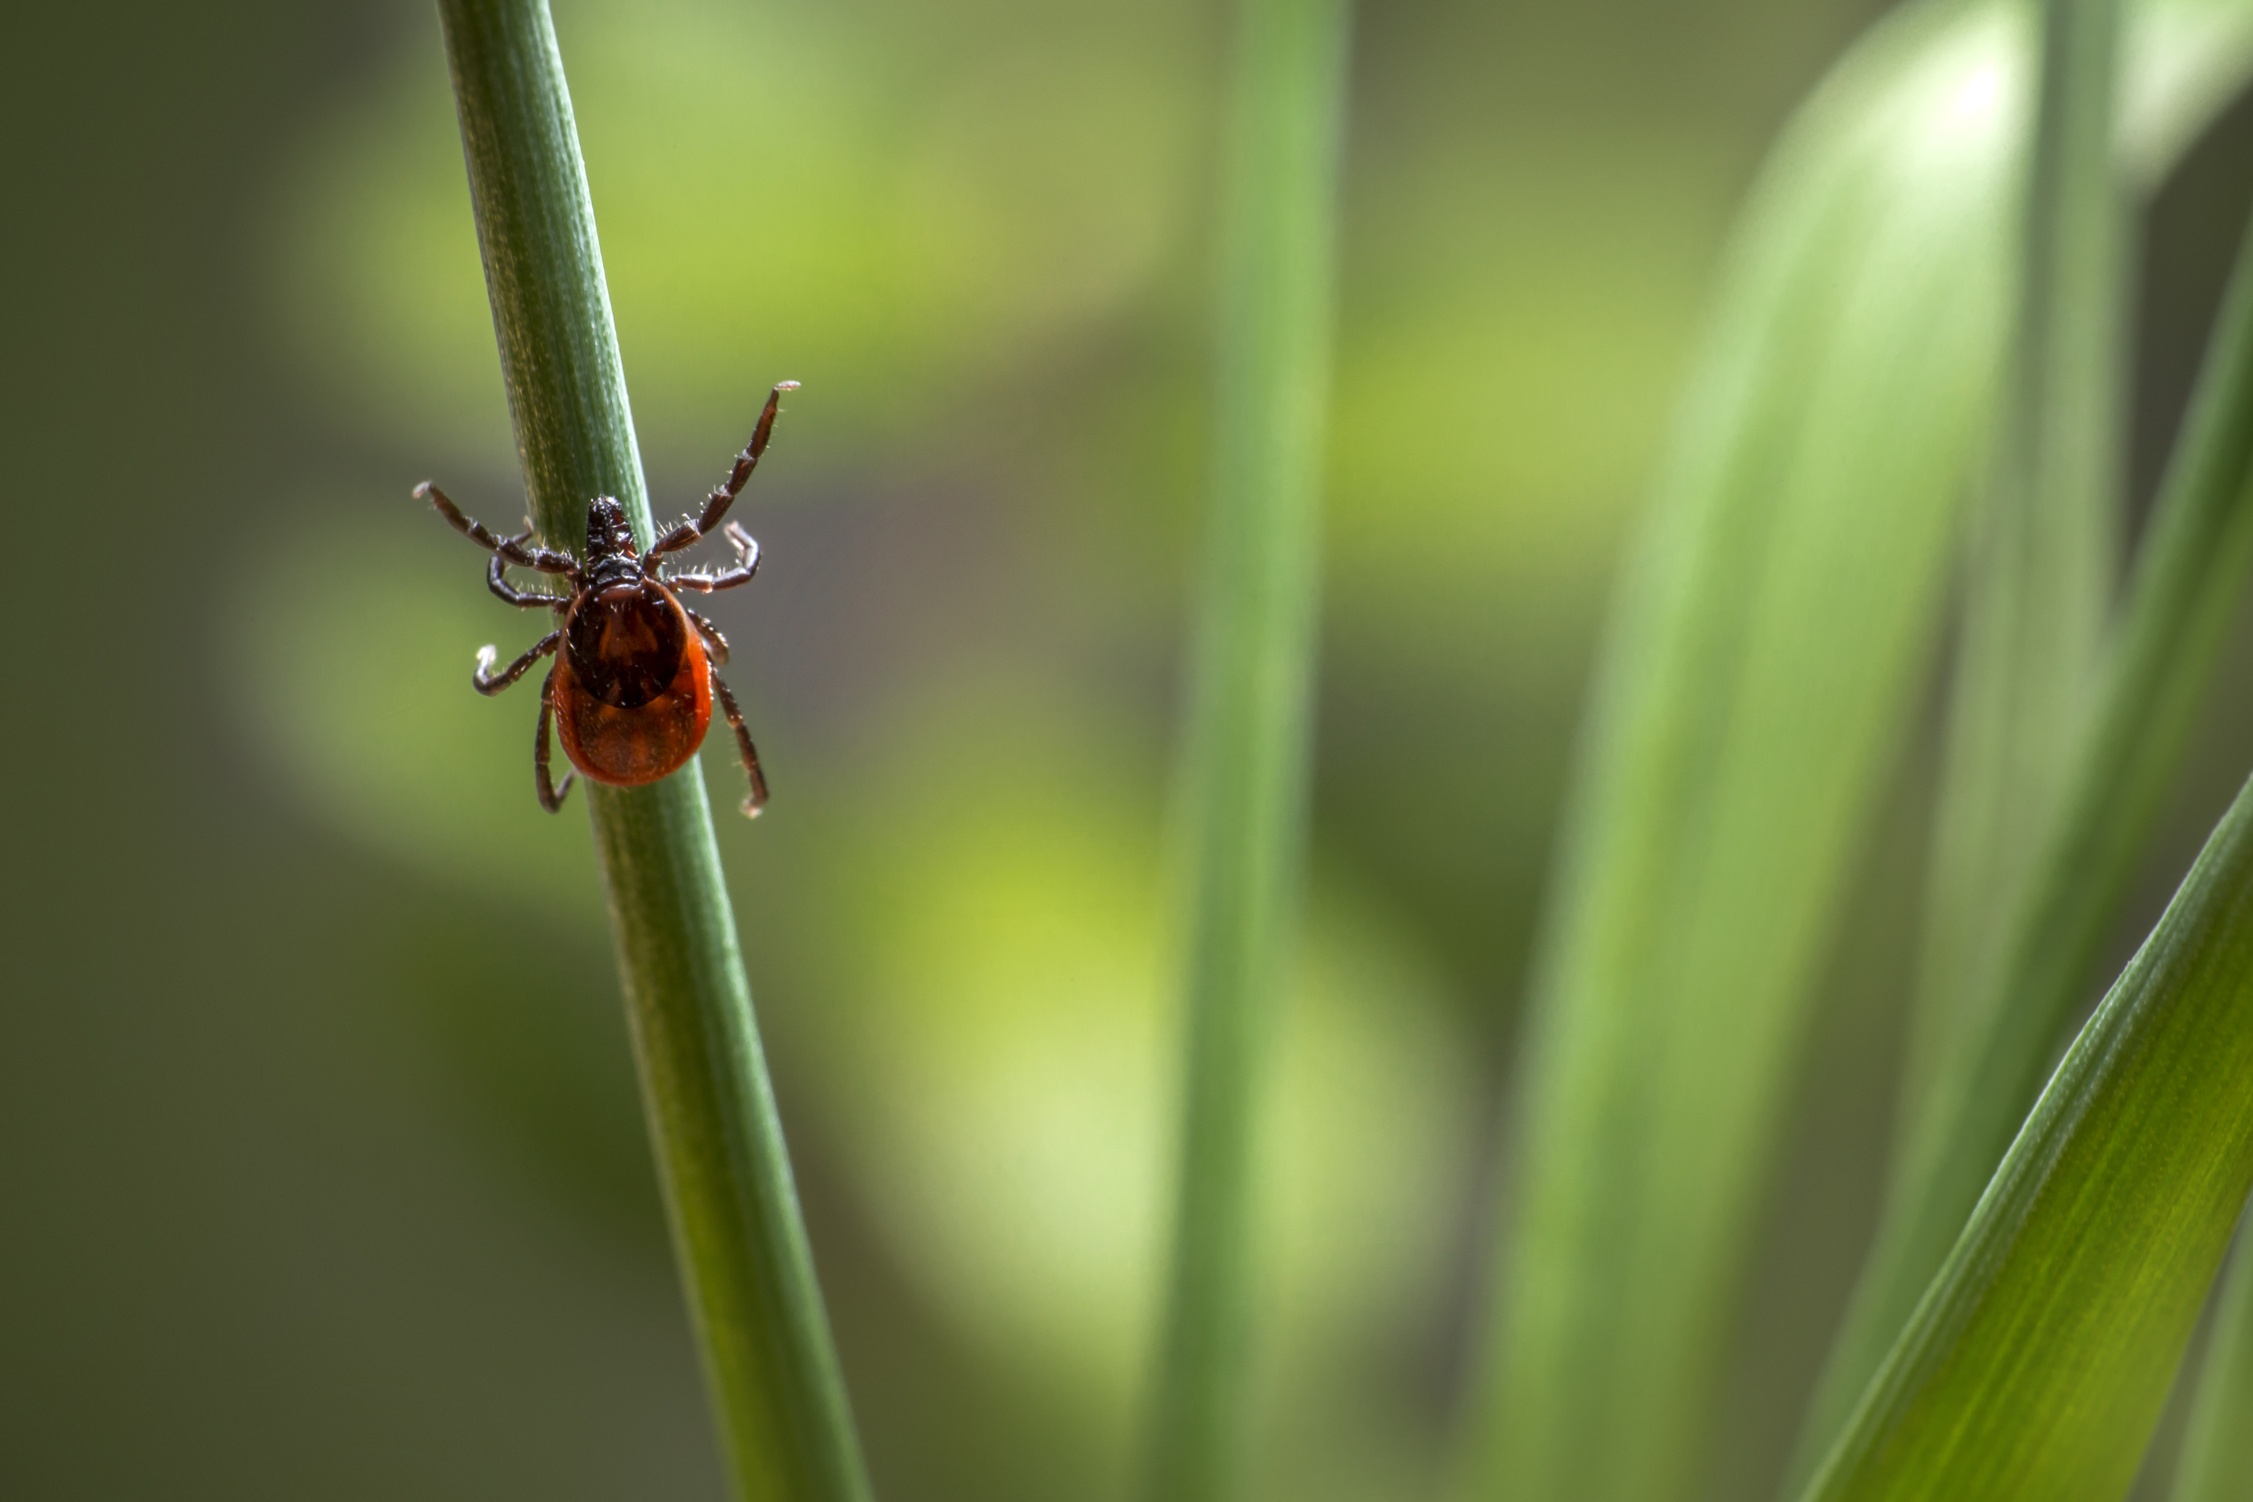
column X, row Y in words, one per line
column 1767, row 648
column 1764, row 653
column 2037, row 1364
column 2217, row 1458
column 2187, row 582
column 2185, row 60
column 2036, row 596
column 758, row 1315
column 1245, row 756
column 2038, row 588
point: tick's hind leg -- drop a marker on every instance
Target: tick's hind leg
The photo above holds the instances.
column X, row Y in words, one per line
column 758, row 795
column 496, row 580
column 488, row 682
column 715, row 645
column 551, row 793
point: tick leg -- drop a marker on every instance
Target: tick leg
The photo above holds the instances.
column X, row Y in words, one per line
column 546, row 560
column 746, row 564
column 488, row 682
column 690, row 530
column 496, row 580
column 758, row 796
column 551, row 793
column 714, row 642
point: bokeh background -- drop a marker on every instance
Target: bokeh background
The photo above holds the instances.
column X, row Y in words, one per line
column 321, row 1171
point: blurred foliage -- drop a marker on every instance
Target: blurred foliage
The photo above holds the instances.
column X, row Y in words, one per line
column 885, row 203
column 1968, row 1100
column 2039, row 1360
column 326, row 1127
column 1768, row 640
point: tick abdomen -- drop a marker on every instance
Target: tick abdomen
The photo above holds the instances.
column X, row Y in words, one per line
column 639, row 742
column 625, row 643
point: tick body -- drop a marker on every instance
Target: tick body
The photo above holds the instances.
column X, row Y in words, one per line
column 633, row 685
column 631, row 688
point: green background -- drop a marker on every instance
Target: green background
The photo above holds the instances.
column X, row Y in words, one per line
column 320, row 1168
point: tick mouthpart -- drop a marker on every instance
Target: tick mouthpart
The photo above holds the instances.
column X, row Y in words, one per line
column 609, row 534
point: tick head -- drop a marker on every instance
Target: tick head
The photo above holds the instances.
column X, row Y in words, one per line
column 609, row 535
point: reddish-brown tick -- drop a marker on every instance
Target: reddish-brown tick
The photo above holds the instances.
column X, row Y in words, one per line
column 632, row 687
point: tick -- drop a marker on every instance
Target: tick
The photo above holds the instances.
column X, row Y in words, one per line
column 632, row 685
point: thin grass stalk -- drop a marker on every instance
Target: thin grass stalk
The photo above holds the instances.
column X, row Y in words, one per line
column 779, row 1398
column 2183, row 592
column 1245, row 757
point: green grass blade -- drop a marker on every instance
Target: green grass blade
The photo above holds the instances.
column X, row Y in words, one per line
column 1766, row 652
column 742, row 1248
column 2217, row 1458
column 2037, row 1364
column 1766, row 647
column 2037, row 594
column 2039, row 585
column 2184, row 591
column 1245, row 757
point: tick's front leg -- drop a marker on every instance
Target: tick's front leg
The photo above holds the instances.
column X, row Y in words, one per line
column 496, row 580
column 488, row 682
column 546, row 560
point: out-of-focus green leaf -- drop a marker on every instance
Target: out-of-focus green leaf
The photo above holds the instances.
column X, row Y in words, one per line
column 2189, row 578
column 2037, row 595
column 2185, row 61
column 1767, row 637
column 2217, row 1459
column 2038, row 588
column 2038, row 1362
column 1770, row 637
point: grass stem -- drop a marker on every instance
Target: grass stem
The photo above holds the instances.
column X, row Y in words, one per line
column 1246, row 752
column 757, row 1311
